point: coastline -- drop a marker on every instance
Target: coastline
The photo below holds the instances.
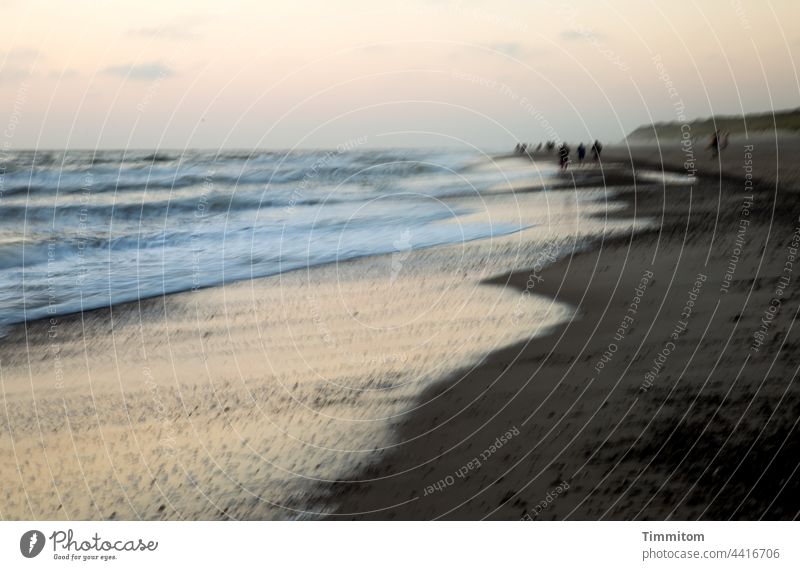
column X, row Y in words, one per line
column 682, row 409
column 380, row 379
column 238, row 401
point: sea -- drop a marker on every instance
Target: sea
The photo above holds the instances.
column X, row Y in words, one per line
column 86, row 229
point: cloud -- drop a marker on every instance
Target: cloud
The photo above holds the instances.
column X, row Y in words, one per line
column 375, row 48
column 514, row 49
column 13, row 74
column 170, row 32
column 582, row 34
column 61, row 74
column 180, row 29
column 22, row 55
column 142, row 71
column 17, row 64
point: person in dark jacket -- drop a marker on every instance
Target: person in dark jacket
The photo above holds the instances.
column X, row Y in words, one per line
column 597, row 148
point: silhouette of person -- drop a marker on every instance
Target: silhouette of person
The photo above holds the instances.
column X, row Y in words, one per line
column 597, row 148
column 581, row 153
column 714, row 144
column 563, row 156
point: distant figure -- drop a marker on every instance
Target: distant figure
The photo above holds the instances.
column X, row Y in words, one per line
column 597, row 148
column 714, row 144
column 723, row 140
column 563, row 156
column 550, row 146
column 581, row 153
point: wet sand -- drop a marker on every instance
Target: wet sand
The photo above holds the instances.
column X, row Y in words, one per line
column 671, row 394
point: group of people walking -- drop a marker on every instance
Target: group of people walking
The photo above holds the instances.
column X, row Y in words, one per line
column 563, row 151
column 718, row 142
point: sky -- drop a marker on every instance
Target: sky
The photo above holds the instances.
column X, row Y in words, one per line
column 320, row 74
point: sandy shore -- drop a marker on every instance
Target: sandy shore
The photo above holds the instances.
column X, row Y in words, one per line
column 244, row 401
column 469, row 381
column 672, row 392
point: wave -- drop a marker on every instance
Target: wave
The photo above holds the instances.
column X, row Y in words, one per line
column 87, row 229
column 150, row 210
column 89, row 246
column 91, row 174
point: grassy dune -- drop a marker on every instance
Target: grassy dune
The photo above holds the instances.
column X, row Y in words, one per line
column 787, row 120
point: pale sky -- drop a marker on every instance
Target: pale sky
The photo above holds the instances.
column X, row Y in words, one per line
column 317, row 74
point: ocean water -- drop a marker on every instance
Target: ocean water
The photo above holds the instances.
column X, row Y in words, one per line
column 84, row 229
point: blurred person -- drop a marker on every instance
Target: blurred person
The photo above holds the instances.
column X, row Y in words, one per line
column 581, row 153
column 597, row 148
column 563, row 156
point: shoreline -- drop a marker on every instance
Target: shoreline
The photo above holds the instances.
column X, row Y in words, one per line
column 641, row 373
column 365, row 394
column 236, row 402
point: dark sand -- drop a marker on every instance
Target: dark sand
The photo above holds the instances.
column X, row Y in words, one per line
column 711, row 435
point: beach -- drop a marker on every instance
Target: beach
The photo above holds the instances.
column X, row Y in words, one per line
column 242, row 401
column 606, row 361
column 671, row 394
